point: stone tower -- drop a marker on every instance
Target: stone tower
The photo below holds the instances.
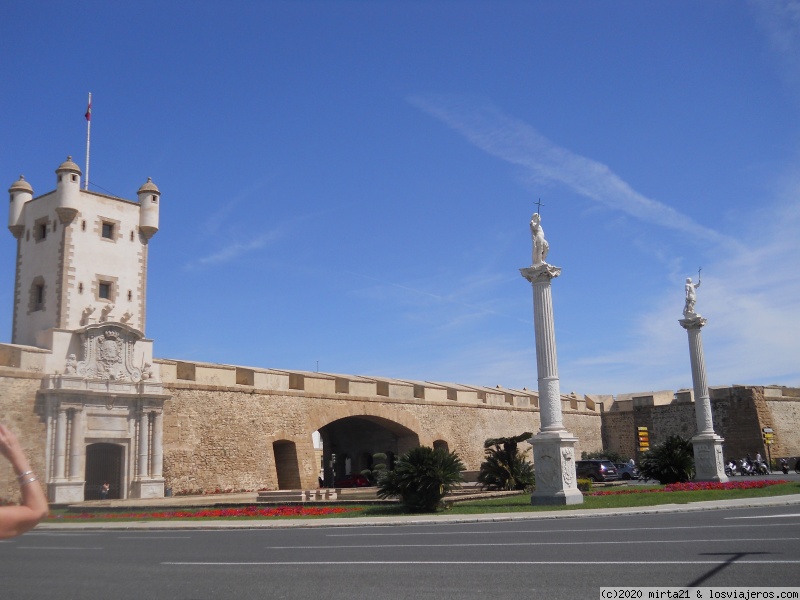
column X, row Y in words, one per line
column 80, row 296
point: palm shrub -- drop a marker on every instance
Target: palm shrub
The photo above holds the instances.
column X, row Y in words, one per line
column 671, row 461
column 421, row 478
column 506, row 467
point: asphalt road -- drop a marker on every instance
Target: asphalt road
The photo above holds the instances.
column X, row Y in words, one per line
column 538, row 558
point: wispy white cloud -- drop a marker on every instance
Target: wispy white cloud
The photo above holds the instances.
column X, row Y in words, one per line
column 521, row 144
column 467, row 310
column 233, row 250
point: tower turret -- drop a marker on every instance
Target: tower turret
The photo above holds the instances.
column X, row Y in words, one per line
column 149, row 196
column 68, row 187
column 20, row 191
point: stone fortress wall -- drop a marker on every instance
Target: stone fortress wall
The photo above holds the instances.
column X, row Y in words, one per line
column 225, row 426
column 739, row 412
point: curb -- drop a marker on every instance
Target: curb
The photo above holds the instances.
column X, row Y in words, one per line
column 437, row 519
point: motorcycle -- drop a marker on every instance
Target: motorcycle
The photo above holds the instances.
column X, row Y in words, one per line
column 760, row 468
column 730, row 468
column 745, row 468
column 784, row 466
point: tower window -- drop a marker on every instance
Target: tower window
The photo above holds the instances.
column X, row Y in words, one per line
column 131, row 236
column 40, row 227
column 108, row 231
column 83, row 225
column 105, row 288
column 37, row 294
column 80, row 288
column 130, row 295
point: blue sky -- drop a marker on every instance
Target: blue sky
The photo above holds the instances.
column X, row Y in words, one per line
column 349, row 184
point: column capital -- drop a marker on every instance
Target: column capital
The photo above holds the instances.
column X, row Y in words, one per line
column 693, row 322
column 542, row 272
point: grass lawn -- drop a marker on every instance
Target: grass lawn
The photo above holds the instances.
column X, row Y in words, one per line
column 522, row 503
column 507, row 504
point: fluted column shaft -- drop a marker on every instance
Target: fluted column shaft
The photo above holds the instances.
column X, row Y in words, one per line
column 76, row 445
column 158, row 445
column 142, row 470
column 701, row 398
column 60, row 463
column 546, row 357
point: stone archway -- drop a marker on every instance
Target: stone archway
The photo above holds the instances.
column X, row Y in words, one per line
column 104, row 464
column 358, row 438
column 286, row 465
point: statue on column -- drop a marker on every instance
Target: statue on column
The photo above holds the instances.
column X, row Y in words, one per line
column 691, row 298
column 540, row 245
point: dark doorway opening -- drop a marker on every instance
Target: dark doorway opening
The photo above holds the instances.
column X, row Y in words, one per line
column 103, row 465
column 286, row 465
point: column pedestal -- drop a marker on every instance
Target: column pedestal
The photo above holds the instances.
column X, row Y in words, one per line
column 65, row 492
column 709, row 464
column 554, row 459
column 147, row 488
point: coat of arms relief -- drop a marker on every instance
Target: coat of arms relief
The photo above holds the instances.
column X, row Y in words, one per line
column 108, row 354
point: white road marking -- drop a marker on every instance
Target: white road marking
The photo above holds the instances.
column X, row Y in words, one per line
column 584, row 543
column 767, row 516
column 530, row 531
column 58, row 548
column 487, row 562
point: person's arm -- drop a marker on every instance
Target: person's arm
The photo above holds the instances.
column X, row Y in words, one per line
column 16, row 520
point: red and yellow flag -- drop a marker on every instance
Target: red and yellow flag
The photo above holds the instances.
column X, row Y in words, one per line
column 88, row 114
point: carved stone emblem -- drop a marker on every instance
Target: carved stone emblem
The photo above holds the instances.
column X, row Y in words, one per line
column 567, row 468
column 108, row 353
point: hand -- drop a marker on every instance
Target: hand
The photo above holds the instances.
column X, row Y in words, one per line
column 11, row 449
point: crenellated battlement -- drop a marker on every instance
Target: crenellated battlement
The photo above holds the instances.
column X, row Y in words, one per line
column 176, row 372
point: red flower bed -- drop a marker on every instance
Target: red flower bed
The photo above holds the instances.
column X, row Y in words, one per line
column 246, row 511
column 696, row 486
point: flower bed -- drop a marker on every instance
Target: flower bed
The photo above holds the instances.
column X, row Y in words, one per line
column 695, row 486
column 219, row 513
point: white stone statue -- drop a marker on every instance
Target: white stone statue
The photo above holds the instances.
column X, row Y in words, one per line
column 691, row 298
column 540, row 245
column 71, row 366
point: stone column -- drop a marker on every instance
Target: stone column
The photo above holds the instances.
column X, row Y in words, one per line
column 158, row 445
column 76, row 445
column 142, row 469
column 708, row 460
column 553, row 446
column 60, row 464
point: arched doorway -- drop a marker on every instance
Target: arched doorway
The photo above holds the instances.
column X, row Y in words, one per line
column 104, row 465
column 441, row 445
column 359, row 438
column 286, row 465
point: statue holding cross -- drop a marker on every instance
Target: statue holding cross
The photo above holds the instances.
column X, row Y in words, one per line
column 540, row 245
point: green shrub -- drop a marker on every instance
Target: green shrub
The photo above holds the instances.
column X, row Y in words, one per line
column 672, row 461
column 585, row 485
column 506, row 467
column 421, row 478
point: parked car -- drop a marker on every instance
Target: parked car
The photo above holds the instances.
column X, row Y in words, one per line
column 351, row 481
column 626, row 471
column 596, row 470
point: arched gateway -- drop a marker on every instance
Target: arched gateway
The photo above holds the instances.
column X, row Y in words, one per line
column 349, row 443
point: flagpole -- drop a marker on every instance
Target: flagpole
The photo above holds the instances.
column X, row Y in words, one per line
column 88, row 137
